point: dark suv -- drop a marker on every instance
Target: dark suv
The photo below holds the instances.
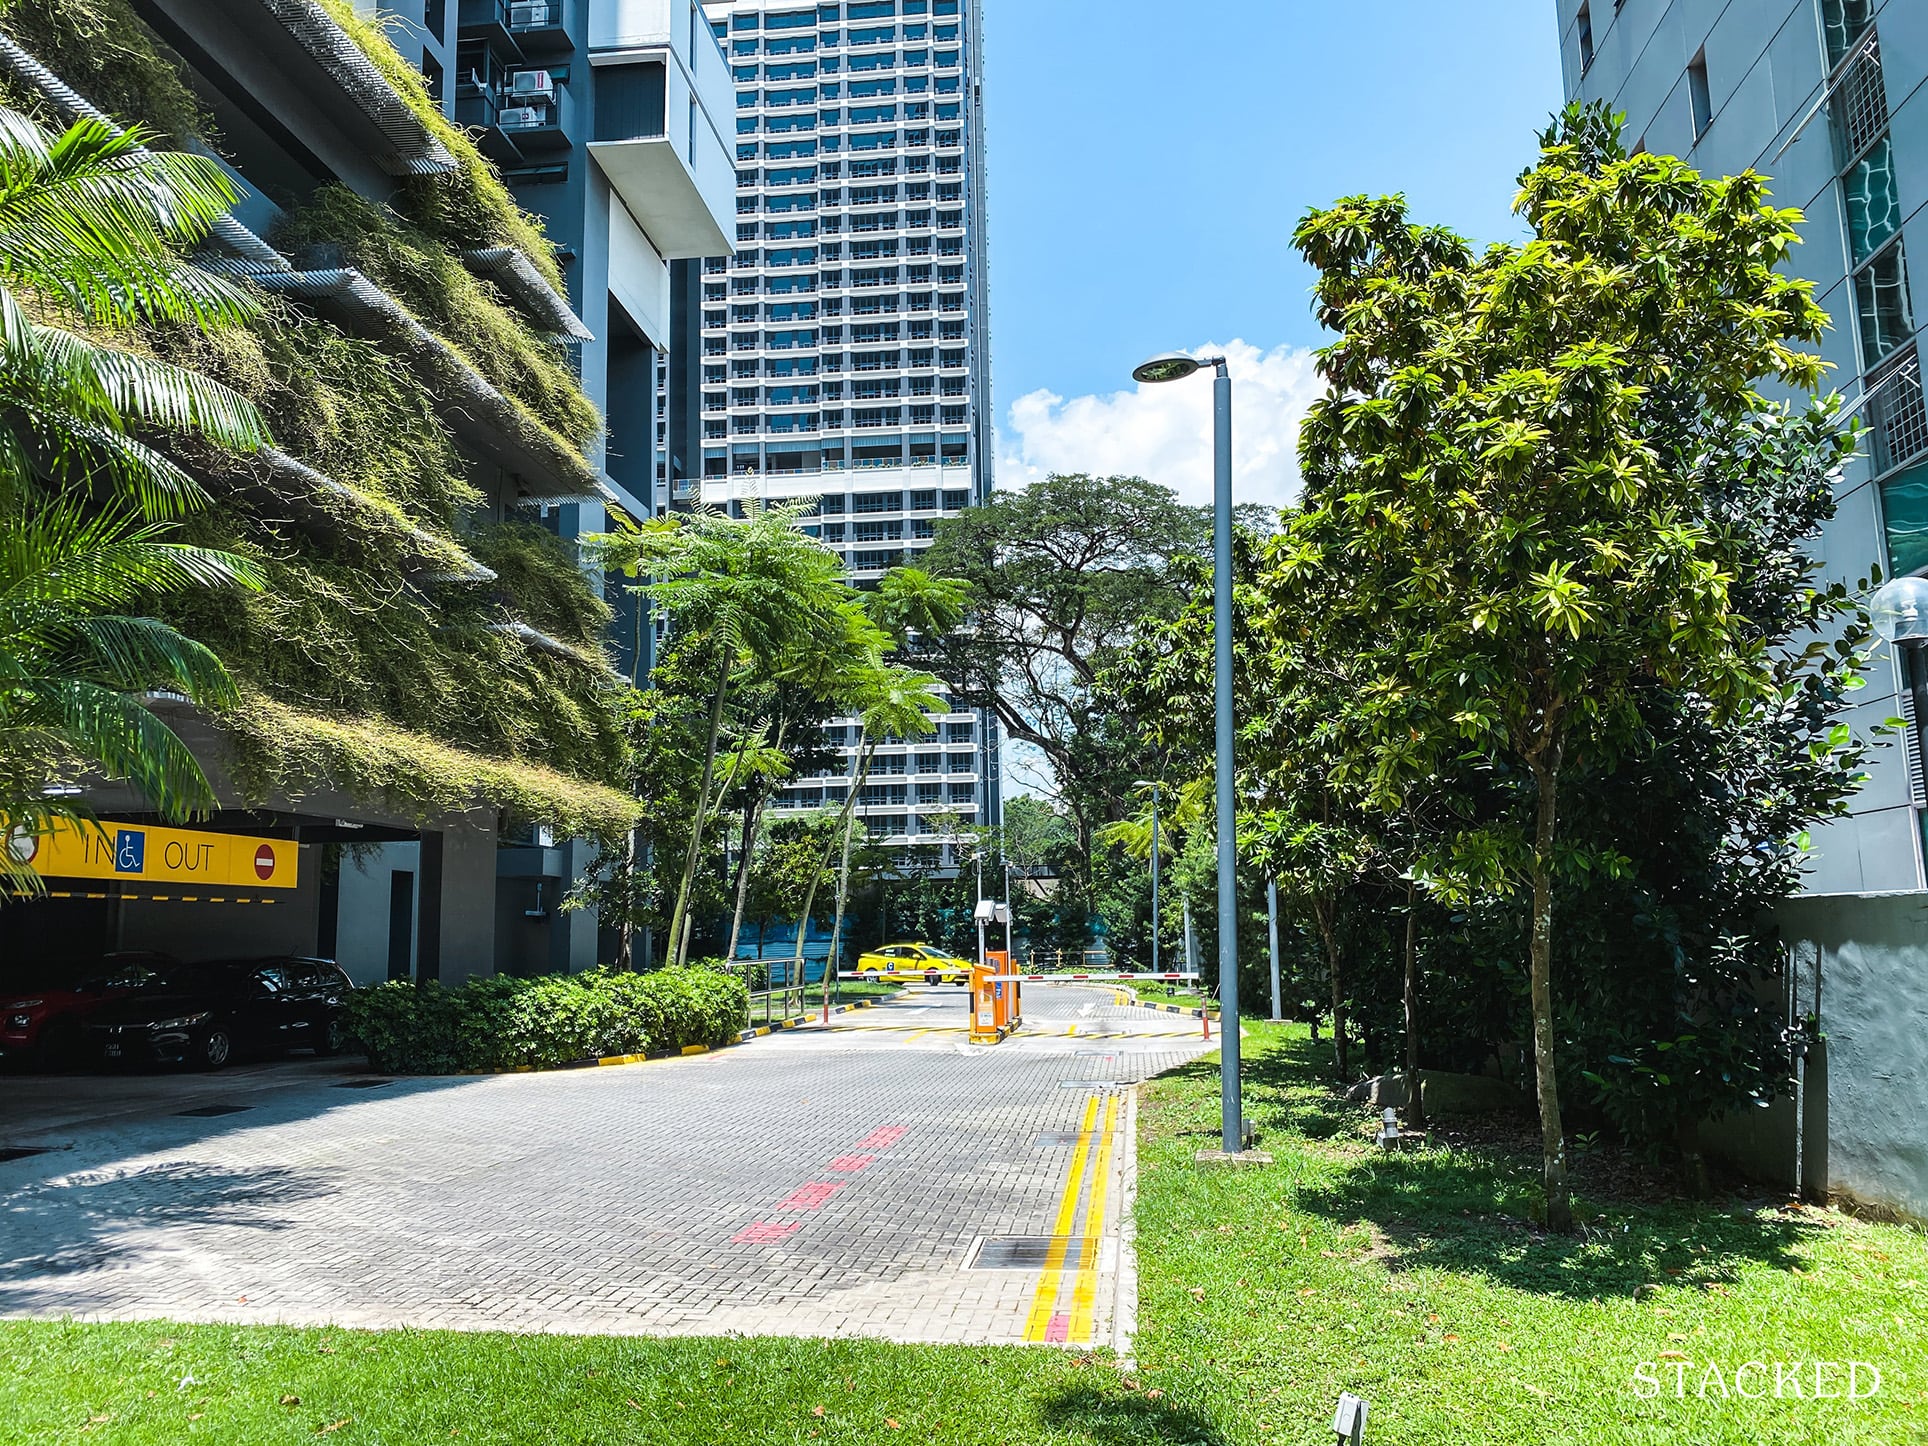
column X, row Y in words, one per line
column 205, row 1014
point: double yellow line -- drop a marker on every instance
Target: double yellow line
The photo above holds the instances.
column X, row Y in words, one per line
column 1047, row 1322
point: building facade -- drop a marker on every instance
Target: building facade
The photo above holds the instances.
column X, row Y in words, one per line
column 845, row 347
column 608, row 117
column 1826, row 98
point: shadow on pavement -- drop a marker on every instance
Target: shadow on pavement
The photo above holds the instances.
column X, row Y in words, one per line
column 97, row 1220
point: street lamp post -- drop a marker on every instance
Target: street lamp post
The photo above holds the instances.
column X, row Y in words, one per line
column 1174, row 367
column 1153, row 786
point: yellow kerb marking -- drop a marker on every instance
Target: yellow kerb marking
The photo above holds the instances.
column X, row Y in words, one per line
column 1038, row 1324
column 1084, row 1290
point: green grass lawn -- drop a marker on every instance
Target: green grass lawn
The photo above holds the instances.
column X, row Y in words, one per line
column 1413, row 1280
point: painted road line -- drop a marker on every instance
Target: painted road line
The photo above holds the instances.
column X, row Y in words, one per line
column 1084, row 1288
column 1038, row 1326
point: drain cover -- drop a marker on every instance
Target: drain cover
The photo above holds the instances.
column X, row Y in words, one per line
column 1097, row 1085
column 1051, row 1139
column 1036, row 1252
column 208, row 1112
column 20, row 1152
column 363, row 1084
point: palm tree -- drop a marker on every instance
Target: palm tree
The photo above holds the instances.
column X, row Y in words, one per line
column 74, row 662
column 760, row 595
column 92, row 228
column 890, row 702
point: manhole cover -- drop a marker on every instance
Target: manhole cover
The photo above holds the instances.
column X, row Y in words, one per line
column 363, row 1084
column 208, row 1112
column 20, row 1152
column 1036, row 1252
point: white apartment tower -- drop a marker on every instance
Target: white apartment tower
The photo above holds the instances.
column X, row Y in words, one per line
column 846, row 345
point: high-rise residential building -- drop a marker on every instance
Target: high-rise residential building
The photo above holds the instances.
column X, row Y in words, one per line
column 845, row 347
column 1826, row 97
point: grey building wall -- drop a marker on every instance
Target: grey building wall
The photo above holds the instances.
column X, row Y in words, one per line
column 1853, row 1132
column 1830, row 123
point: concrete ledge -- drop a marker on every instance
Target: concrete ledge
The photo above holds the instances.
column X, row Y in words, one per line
column 1190, row 1013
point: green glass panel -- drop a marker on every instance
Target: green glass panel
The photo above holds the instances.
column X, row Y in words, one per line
column 1904, row 507
column 1845, row 21
column 1881, row 296
column 1874, row 205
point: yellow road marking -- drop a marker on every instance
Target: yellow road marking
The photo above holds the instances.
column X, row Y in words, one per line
column 1044, row 1301
column 1084, row 1288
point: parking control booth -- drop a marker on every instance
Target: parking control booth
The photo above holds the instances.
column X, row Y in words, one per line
column 995, row 1004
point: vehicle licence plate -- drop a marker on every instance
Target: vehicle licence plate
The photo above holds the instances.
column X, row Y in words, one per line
column 113, row 1051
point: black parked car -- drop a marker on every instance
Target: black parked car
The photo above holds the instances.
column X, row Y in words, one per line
column 205, row 1014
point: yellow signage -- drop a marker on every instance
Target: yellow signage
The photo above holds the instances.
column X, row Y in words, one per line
column 136, row 853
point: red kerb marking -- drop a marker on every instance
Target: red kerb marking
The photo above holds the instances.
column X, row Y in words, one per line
column 851, row 1164
column 883, row 1139
column 812, row 1196
column 764, row 1232
column 1059, row 1329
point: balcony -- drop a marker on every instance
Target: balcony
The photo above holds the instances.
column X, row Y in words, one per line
column 539, row 25
column 487, row 21
column 677, row 179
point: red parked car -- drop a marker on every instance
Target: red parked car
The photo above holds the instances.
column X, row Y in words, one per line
column 43, row 1012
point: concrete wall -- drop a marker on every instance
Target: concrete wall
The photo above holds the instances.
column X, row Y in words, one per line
column 1866, row 1088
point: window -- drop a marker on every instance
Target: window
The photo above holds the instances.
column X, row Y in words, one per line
column 925, row 501
column 956, row 501
column 1874, row 208
column 1882, row 302
column 1844, row 22
column 1899, row 412
column 960, row 763
column 1904, row 510
column 878, row 502
column 1698, row 94
column 1584, row 23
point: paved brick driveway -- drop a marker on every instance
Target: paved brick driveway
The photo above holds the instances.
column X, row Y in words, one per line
column 853, row 1180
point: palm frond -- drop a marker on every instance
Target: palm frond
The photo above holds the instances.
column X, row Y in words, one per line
column 126, row 740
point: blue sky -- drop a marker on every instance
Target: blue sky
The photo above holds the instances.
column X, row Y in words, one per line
column 1145, row 181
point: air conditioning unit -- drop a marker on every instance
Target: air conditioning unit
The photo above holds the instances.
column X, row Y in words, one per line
column 521, row 117
column 529, row 17
column 528, row 86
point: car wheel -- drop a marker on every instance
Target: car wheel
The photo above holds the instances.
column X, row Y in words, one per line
column 870, row 976
column 334, row 1039
column 216, row 1048
column 931, row 978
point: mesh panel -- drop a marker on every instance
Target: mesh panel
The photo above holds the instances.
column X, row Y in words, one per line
column 1900, row 413
column 1860, row 104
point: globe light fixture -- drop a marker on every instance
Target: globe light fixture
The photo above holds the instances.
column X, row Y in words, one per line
column 1899, row 610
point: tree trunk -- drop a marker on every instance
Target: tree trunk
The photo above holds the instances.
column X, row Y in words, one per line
column 1322, row 911
column 1415, row 1086
column 679, row 921
column 867, row 750
column 752, row 811
column 1559, row 1206
column 843, row 868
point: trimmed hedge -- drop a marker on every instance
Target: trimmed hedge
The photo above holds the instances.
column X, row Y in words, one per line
column 506, row 1023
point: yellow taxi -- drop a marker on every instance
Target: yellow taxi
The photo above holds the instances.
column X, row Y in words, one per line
column 904, row 963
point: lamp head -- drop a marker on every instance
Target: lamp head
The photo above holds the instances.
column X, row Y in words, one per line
column 1899, row 610
column 1172, row 366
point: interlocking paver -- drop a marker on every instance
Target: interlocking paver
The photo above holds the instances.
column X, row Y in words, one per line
column 699, row 1195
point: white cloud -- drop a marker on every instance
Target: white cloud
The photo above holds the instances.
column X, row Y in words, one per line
column 1164, row 433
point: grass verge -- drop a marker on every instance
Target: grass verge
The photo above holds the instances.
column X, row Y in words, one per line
column 1414, row 1280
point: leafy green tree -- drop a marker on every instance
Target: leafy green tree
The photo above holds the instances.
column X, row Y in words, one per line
column 1488, row 474
column 91, row 230
column 760, row 596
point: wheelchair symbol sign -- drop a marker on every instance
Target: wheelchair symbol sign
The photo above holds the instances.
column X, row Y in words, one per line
column 130, row 851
